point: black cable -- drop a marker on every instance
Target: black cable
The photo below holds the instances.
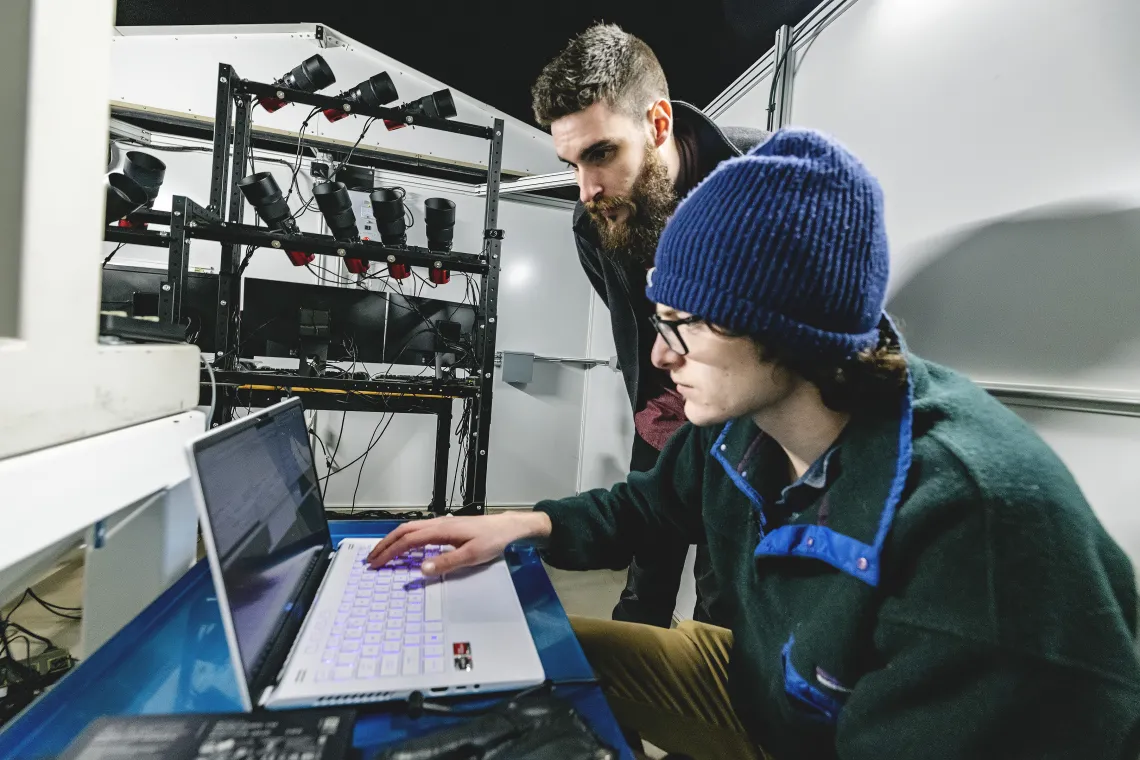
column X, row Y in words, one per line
column 363, row 132
column 27, row 650
column 324, row 449
column 423, row 280
column 245, row 261
column 249, row 156
column 112, row 254
column 817, row 28
column 11, row 624
column 461, row 458
column 360, row 472
column 297, row 160
column 306, row 207
column 362, row 456
column 266, row 159
column 466, row 432
column 4, row 641
column 339, row 438
column 430, row 326
column 55, row 609
column 471, row 293
column 780, row 69
column 342, row 279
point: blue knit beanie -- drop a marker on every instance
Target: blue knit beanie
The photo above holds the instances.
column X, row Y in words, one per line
column 786, row 243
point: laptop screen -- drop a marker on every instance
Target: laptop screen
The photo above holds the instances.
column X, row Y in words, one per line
column 267, row 521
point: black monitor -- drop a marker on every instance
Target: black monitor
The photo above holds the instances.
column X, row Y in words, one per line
column 412, row 340
column 291, row 319
column 136, row 291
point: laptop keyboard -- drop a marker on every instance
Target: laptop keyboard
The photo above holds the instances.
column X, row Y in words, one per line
column 389, row 622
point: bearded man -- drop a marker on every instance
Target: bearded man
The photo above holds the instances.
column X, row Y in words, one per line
column 634, row 154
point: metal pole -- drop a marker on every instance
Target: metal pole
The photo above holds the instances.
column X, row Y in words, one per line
column 486, row 325
column 177, row 270
column 783, row 74
column 223, row 115
column 442, row 451
column 229, row 285
column 226, row 331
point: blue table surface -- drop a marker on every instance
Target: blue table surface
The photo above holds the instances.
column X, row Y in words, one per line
column 173, row 658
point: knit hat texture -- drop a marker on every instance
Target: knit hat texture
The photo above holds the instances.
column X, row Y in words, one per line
column 786, row 243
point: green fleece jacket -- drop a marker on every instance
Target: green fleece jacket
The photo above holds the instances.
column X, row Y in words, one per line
column 949, row 595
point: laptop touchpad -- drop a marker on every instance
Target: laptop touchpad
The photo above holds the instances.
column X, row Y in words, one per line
column 478, row 595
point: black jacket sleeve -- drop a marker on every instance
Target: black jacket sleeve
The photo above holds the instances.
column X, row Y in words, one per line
column 592, row 266
column 605, row 528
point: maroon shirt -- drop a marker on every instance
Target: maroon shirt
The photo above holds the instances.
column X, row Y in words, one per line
column 661, row 416
column 664, row 409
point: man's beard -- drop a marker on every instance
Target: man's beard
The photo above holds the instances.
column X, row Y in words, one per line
column 650, row 203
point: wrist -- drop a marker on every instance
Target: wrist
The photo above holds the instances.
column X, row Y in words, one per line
column 534, row 525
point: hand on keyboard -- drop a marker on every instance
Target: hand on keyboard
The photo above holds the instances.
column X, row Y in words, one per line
column 388, row 623
column 476, row 539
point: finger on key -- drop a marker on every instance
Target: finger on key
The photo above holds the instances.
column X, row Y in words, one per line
column 395, row 545
column 462, row 556
column 385, row 543
column 382, row 543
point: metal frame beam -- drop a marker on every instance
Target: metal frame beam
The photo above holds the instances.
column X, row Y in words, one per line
column 533, row 184
column 784, row 74
column 486, row 326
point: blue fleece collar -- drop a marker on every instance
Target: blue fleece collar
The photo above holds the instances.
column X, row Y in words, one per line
column 857, row 558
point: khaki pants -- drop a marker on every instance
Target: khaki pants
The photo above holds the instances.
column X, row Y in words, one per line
column 668, row 685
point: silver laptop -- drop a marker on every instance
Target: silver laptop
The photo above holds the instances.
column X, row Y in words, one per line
column 310, row 625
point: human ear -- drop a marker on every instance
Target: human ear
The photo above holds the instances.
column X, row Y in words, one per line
column 661, row 121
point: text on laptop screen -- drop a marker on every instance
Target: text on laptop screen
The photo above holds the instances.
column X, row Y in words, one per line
column 267, row 522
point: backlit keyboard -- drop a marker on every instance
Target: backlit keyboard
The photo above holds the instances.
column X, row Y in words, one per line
column 389, row 622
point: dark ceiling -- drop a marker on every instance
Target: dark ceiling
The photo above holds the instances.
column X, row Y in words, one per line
column 493, row 50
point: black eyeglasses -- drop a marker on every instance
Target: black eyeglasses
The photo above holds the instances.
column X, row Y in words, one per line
column 669, row 330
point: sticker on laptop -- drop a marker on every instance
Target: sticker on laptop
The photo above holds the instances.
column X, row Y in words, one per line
column 462, row 654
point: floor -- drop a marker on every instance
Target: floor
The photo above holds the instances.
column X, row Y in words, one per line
column 589, row 594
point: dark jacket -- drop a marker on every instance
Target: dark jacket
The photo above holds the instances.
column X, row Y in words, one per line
column 950, row 596
column 622, row 285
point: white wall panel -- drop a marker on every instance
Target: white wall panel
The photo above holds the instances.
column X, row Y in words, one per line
column 1005, row 138
column 544, row 307
column 608, row 420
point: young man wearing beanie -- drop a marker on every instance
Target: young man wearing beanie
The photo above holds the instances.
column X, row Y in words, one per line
column 911, row 572
column 634, row 154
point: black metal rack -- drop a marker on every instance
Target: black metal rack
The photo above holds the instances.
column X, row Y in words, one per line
column 221, row 221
